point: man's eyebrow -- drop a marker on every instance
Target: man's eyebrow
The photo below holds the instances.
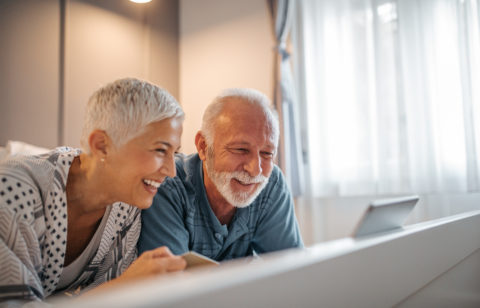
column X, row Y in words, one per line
column 269, row 147
column 238, row 143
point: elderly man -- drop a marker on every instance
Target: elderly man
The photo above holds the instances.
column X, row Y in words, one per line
column 229, row 200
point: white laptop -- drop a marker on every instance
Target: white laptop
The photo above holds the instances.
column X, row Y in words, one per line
column 385, row 215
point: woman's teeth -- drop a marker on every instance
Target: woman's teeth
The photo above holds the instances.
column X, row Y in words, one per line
column 152, row 183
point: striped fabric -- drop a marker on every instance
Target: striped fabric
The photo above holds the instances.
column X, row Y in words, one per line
column 33, row 229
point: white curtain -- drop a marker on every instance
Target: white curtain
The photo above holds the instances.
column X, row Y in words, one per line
column 390, row 93
column 290, row 151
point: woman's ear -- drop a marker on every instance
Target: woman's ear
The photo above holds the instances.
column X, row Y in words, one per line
column 201, row 145
column 99, row 143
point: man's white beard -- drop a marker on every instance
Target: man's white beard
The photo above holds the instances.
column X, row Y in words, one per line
column 222, row 181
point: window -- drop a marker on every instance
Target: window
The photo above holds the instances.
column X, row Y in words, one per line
column 390, row 91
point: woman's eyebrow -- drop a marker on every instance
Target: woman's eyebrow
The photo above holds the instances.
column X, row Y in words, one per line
column 163, row 142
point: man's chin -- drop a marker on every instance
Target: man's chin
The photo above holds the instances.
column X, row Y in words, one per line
column 242, row 205
column 244, row 201
column 227, row 186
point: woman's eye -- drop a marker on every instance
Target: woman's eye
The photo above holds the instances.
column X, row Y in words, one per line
column 163, row 151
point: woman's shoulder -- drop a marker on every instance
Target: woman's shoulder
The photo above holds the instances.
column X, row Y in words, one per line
column 123, row 215
column 40, row 164
column 25, row 180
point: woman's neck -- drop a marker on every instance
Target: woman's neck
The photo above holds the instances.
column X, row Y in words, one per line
column 86, row 205
column 86, row 196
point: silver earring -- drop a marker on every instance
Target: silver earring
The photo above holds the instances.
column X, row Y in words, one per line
column 102, row 160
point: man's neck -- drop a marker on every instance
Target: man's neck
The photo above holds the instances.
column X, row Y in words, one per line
column 223, row 210
column 224, row 214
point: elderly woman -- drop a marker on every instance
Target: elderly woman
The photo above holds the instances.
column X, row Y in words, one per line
column 70, row 219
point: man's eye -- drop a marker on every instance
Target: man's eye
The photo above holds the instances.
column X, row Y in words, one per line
column 267, row 154
column 240, row 151
column 163, row 151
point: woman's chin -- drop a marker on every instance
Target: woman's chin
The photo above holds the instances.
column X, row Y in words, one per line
column 144, row 204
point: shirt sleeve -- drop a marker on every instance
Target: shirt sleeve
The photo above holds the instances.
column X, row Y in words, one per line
column 277, row 227
column 163, row 223
column 19, row 252
column 131, row 238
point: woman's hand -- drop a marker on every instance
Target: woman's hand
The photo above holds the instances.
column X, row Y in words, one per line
column 150, row 263
column 154, row 262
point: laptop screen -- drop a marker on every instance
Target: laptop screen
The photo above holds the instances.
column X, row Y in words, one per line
column 384, row 215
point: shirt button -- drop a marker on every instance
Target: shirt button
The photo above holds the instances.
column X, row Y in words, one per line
column 218, row 236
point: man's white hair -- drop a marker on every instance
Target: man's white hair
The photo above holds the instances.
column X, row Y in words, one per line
column 124, row 107
column 252, row 96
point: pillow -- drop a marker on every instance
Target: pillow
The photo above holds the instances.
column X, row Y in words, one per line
column 22, row 148
column 3, row 153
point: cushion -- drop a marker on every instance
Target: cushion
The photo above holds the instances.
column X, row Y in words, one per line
column 22, row 148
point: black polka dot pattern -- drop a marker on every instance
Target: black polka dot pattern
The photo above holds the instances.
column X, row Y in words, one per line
column 23, row 195
column 44, row 208
column 56, row 220
column 16, row 195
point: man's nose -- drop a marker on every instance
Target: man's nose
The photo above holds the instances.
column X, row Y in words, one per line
column 253, row 166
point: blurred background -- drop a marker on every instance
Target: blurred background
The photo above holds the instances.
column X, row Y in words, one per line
column 376, row 98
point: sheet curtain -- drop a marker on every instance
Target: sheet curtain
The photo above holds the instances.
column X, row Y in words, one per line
column 391, row 95
column 290, row 149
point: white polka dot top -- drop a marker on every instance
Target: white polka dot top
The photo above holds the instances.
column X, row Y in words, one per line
column 33, row 229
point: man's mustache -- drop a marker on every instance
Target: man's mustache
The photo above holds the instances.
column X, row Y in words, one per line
column 245, row 178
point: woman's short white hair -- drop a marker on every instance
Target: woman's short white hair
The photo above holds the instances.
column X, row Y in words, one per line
column 124, row 107
column 252, row 96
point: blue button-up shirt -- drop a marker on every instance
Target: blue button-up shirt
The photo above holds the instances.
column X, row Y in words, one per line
column 182, row 219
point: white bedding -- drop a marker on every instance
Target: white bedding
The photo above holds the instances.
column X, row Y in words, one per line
column 20, row 148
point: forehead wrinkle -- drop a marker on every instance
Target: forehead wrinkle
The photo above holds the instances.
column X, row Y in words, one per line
column 237, row 112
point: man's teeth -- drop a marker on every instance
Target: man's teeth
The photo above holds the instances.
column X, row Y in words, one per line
column 152, row 183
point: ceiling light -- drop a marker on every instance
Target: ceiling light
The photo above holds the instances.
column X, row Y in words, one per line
column 140, row 1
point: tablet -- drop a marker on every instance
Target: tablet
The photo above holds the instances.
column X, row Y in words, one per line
column 195, row 259
column 385, row 215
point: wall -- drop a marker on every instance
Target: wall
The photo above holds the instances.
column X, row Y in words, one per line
column 29, row 66
column 192, row 48
column 223, row 43
column 104, row 40
column 112, row 39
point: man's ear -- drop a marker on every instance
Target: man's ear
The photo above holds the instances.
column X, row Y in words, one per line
column 99, row 143
column 201, row 145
